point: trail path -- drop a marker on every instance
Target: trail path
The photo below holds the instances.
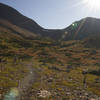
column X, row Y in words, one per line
column 26, row 83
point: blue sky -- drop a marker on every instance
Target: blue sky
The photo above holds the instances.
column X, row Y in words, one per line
column 53, row 14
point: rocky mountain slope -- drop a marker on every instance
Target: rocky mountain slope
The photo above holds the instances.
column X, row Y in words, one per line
column 59, row 65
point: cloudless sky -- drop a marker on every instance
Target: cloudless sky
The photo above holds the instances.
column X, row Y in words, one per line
column 53, row 14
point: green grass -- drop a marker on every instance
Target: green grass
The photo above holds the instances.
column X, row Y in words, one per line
column 44, row 55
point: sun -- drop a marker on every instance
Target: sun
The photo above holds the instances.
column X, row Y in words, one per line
column 93, row 3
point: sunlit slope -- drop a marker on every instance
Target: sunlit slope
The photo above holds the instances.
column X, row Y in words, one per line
column 83, row 29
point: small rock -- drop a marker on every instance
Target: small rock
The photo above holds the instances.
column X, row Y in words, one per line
column 86, row 94
column 44, row 93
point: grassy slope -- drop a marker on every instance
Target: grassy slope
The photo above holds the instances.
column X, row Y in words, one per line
column 57, row 77
column 52, row 59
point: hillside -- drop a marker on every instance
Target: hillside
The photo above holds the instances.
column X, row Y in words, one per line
column 78, row 30
column 59, row 69
column 36, row 64
column 83, row 29
column 16, row 18
column 58, row 66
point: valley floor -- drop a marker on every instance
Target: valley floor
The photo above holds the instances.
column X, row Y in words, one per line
column 39, row 81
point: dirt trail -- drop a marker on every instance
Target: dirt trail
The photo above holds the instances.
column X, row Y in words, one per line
column 26, row 83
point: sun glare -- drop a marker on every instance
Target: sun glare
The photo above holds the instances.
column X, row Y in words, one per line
column 93, row 3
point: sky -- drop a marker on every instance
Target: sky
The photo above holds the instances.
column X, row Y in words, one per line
column 54, row 14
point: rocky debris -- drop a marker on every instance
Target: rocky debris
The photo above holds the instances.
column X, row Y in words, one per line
column 62, row 93
column 50, row 80
column 97, row 80
column 44, row 93
column 77, row 94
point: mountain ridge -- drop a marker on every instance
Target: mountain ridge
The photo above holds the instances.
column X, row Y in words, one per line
column 24, row 22
column 78, row 30
column 85, row 27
